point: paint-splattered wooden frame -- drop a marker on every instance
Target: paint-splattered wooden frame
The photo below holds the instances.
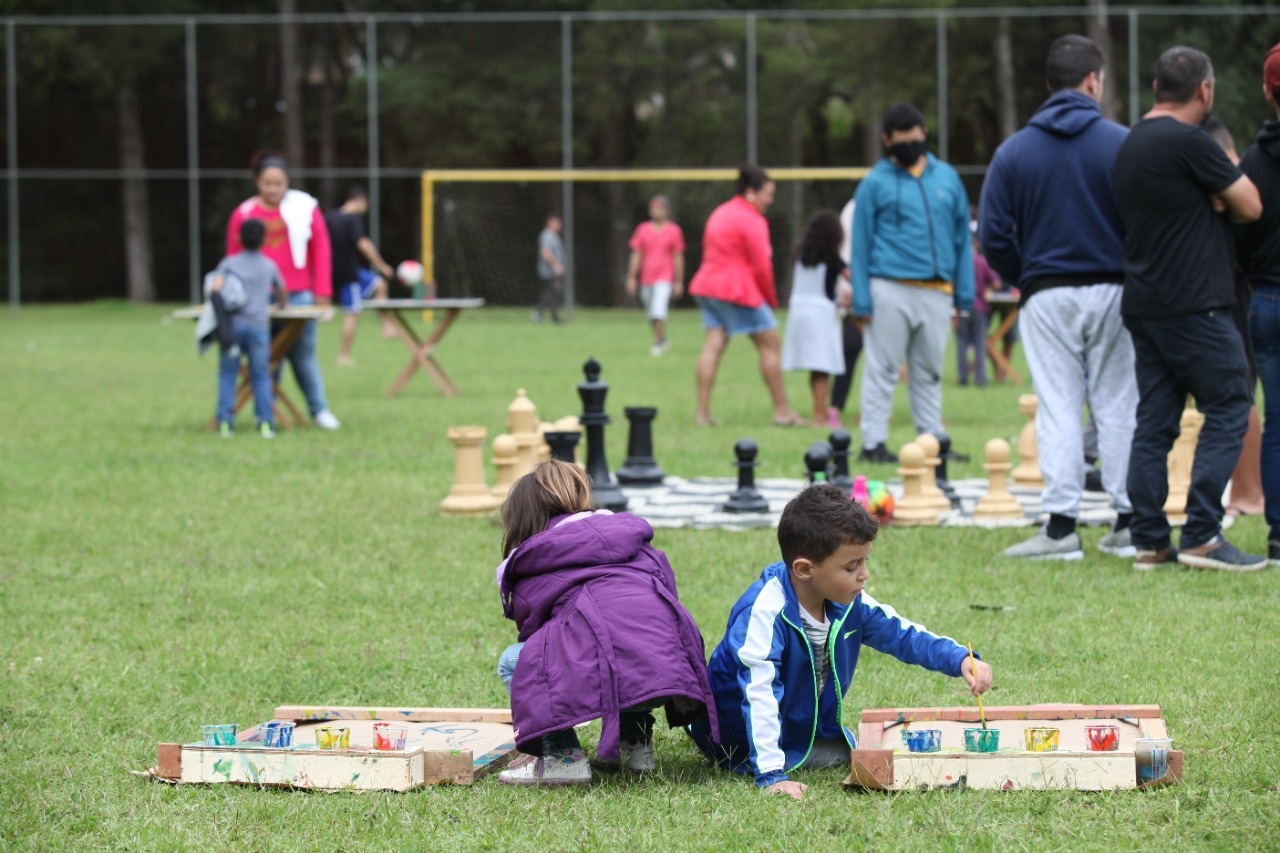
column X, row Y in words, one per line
column 359, row 768
column 881, row 763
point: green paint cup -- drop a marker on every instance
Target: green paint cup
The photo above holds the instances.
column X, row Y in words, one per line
column 981, row 740
column 220, row 735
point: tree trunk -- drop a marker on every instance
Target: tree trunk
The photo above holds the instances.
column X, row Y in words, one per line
column 1099, row 26
column 330, row 193
column 1006, row 87
column 140, row 285
column 290, row 84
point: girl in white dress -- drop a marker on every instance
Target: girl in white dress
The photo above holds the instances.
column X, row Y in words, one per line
column 819, row 286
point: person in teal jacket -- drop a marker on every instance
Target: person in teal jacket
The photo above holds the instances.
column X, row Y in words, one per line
column 792, row 642
column 912, row 267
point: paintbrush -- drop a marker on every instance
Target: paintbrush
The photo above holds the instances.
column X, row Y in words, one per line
column 973, row 668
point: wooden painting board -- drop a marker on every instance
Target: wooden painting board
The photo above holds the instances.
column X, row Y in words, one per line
column 443, row 746
column 882, row 761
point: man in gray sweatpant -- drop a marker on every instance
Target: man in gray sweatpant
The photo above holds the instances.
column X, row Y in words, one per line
column 1049, row 221
column 912, row 261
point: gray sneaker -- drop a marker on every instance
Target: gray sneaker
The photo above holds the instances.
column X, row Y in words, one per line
column 1221, row 555
column 1041, row 547
column 1119, row 543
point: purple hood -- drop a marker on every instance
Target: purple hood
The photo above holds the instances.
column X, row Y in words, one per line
column 595, row 604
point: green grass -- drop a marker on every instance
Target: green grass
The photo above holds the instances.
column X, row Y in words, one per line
column 154, row 577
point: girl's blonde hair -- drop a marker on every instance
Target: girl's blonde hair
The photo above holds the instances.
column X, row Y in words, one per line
column 553, row 488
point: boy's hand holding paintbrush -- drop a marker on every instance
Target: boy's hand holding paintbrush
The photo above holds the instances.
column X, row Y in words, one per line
column 977, row 674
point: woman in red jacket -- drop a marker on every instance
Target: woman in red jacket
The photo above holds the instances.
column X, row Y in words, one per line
column 298, row 241
column 734, row 288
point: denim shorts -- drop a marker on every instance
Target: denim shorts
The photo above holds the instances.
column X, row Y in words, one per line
column 736, row 319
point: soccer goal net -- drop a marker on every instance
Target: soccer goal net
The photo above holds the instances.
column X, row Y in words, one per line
column 480, row 227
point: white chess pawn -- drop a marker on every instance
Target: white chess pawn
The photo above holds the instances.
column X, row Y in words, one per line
column 998, row 502
column 913, row 509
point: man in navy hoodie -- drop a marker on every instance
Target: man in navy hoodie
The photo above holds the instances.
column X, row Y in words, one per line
column 1048, row 220
column 912, row 262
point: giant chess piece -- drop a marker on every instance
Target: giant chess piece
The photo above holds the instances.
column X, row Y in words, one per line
column 522, row 425
column 563, row 444
column 941, row 478
column 840, row 439
column 747, row 498
column 469, row 494
column 505, row 460
column 931, row 447
column 640, row 468
column 1181, row 458
column 913, row 509
column 604, row 490
column 817, row 459
column 998, row 502
column 1028, row 471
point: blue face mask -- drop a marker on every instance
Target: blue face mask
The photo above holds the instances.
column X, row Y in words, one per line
column 907, row 153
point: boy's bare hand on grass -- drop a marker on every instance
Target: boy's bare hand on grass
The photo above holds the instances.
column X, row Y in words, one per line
column 795, row 790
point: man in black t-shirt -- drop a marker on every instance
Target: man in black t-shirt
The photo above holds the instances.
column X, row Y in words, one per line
column 352, row 280
column 1176, row 189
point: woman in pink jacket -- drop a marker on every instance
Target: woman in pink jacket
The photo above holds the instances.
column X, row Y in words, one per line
column 298, row 241
column 734, row 288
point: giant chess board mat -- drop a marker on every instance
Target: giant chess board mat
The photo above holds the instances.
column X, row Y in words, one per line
column 697, row 503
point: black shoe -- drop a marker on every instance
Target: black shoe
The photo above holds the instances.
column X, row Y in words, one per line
column 1273, row 552
column 878, row 454
column 1093, row 480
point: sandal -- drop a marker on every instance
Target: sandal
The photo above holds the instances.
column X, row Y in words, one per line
column 791, row 421
column 708, row 422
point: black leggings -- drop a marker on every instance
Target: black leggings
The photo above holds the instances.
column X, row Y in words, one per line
column 852, row 349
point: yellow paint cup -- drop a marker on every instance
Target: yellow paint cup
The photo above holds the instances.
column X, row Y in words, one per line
column 1042, row 740
column 333, row 737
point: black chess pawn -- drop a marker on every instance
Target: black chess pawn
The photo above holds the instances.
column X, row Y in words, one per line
column 818, row 459
column 640, row 468
column 604, row 491
column 564, row 445
column 840, row 439
column 941, row 480
column 747, row 498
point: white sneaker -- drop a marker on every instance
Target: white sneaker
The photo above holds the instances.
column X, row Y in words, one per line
column 1041, row 547
column 1118, row 542
column 325, row 420
column 637, row 757
column 565, row 768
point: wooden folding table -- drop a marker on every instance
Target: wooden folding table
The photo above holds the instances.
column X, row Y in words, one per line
column 286, row 325
column 422, row 352
column 995, row 340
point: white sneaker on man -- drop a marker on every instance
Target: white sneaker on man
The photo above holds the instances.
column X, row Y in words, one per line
column 1041, row 547
column 326, row 420
column 565, row 768
column 1119, row 543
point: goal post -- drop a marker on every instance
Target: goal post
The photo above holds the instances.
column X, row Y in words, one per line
column 493, row 230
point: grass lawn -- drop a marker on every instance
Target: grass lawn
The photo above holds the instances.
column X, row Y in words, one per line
column 154, row 577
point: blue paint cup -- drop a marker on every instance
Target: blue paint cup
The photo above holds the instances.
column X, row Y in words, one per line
column 220, row 735
column 278, row 733
column 922, row 740
column 1152, row 756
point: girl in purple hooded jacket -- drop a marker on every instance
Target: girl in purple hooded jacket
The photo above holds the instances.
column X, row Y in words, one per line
column 602, row 633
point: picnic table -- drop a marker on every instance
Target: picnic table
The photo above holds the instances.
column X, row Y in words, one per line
column 286, row 325
column 422, row 351
column 1009, row 299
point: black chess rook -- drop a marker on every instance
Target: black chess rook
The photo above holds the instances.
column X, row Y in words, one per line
column 747, row 497
column 604, row 490
column 640, row 468
column 564, row 445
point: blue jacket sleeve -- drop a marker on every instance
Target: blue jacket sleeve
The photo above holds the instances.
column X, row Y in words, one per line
column 864, row 215
column 757, row 636
column 997, row 226
column 963, row 280
column 886, row 631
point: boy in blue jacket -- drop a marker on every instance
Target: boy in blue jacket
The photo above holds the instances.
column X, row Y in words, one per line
column 791, row 647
